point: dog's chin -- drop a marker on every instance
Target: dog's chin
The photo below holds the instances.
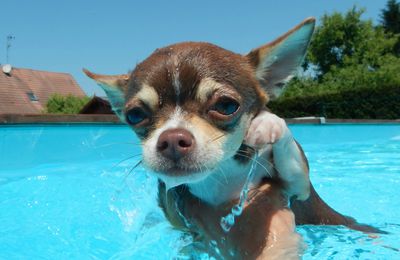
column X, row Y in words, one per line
column 175, row 176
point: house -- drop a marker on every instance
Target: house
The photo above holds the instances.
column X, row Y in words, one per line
column 26, row 91
column 97, row 105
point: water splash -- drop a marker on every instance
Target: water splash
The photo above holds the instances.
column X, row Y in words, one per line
column 228, row 221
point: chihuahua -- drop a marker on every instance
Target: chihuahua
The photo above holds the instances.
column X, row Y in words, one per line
column 200, row 113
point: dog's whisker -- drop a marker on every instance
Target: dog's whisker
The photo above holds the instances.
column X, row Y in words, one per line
column 257, row 162
column 260, row 158
column 223, row 174
column 126, row 159
column 216, row 180
column 203, row 188
column 216, row 138
column 124, row 183
column 133, row 168
column 116, row 143
column 244, row 152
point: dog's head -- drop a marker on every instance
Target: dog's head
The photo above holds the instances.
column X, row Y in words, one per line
column 191, row 103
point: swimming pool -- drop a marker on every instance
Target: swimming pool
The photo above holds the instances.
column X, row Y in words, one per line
column 66, row 192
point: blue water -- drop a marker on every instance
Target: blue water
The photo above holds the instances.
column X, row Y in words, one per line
column 67, row 192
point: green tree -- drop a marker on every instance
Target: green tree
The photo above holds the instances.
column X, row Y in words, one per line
column 58, row 104
column 345, row 39
column 390, row 20
column 390, row 17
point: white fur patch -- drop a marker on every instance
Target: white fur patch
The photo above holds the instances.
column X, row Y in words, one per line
column 149, row 96
column 177, row 85
column 206, row 87
column 227, row 181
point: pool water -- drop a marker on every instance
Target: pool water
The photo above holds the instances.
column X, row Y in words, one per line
column 69, row 192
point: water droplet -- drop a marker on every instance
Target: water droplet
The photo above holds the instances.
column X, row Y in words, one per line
column 237, row 210
column 227, row 222
column 222, row 241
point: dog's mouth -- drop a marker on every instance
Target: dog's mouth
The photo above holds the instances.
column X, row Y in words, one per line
column 181, row 168
column 178, row 170
column 189, row 169
column 176, row 175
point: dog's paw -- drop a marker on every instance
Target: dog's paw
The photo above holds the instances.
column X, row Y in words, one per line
column 266, row 128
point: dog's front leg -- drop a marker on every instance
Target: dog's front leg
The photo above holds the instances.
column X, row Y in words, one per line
column 288, row 157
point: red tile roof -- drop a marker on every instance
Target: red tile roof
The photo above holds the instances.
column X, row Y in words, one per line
column 14, row 89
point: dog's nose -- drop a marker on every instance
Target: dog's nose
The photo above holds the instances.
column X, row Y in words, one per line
column 175, row 143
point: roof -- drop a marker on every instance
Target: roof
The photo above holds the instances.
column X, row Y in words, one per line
column 97, row 105
column 26, row 91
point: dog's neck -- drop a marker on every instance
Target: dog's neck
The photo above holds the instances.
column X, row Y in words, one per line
column 226, row 182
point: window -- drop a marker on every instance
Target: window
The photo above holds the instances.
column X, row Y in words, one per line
column 32, row 96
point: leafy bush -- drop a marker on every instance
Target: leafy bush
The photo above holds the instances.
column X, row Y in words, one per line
column 348, row 78
column 366, row 103
column 352, row 92
column 58, row 104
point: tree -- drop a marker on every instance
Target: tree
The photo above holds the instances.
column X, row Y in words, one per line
column 390, row 17
column 345, row 39
column 390, row 20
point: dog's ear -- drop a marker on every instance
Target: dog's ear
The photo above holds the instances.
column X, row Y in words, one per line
column 114, row 86
column 276, row 62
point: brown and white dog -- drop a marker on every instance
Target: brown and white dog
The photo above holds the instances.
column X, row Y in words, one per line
column 200, row 113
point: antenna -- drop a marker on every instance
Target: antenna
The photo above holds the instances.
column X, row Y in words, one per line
column 9, row 39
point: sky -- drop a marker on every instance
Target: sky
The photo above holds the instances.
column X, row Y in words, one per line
column 111, row 37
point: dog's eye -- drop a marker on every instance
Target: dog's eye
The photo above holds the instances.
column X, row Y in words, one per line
column 226, row 106
column 136, row 116
column 224, row 109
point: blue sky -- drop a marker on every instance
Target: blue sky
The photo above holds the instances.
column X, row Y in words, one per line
column 110, row 37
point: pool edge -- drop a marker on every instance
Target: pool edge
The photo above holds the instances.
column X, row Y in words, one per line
column 16, row 119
